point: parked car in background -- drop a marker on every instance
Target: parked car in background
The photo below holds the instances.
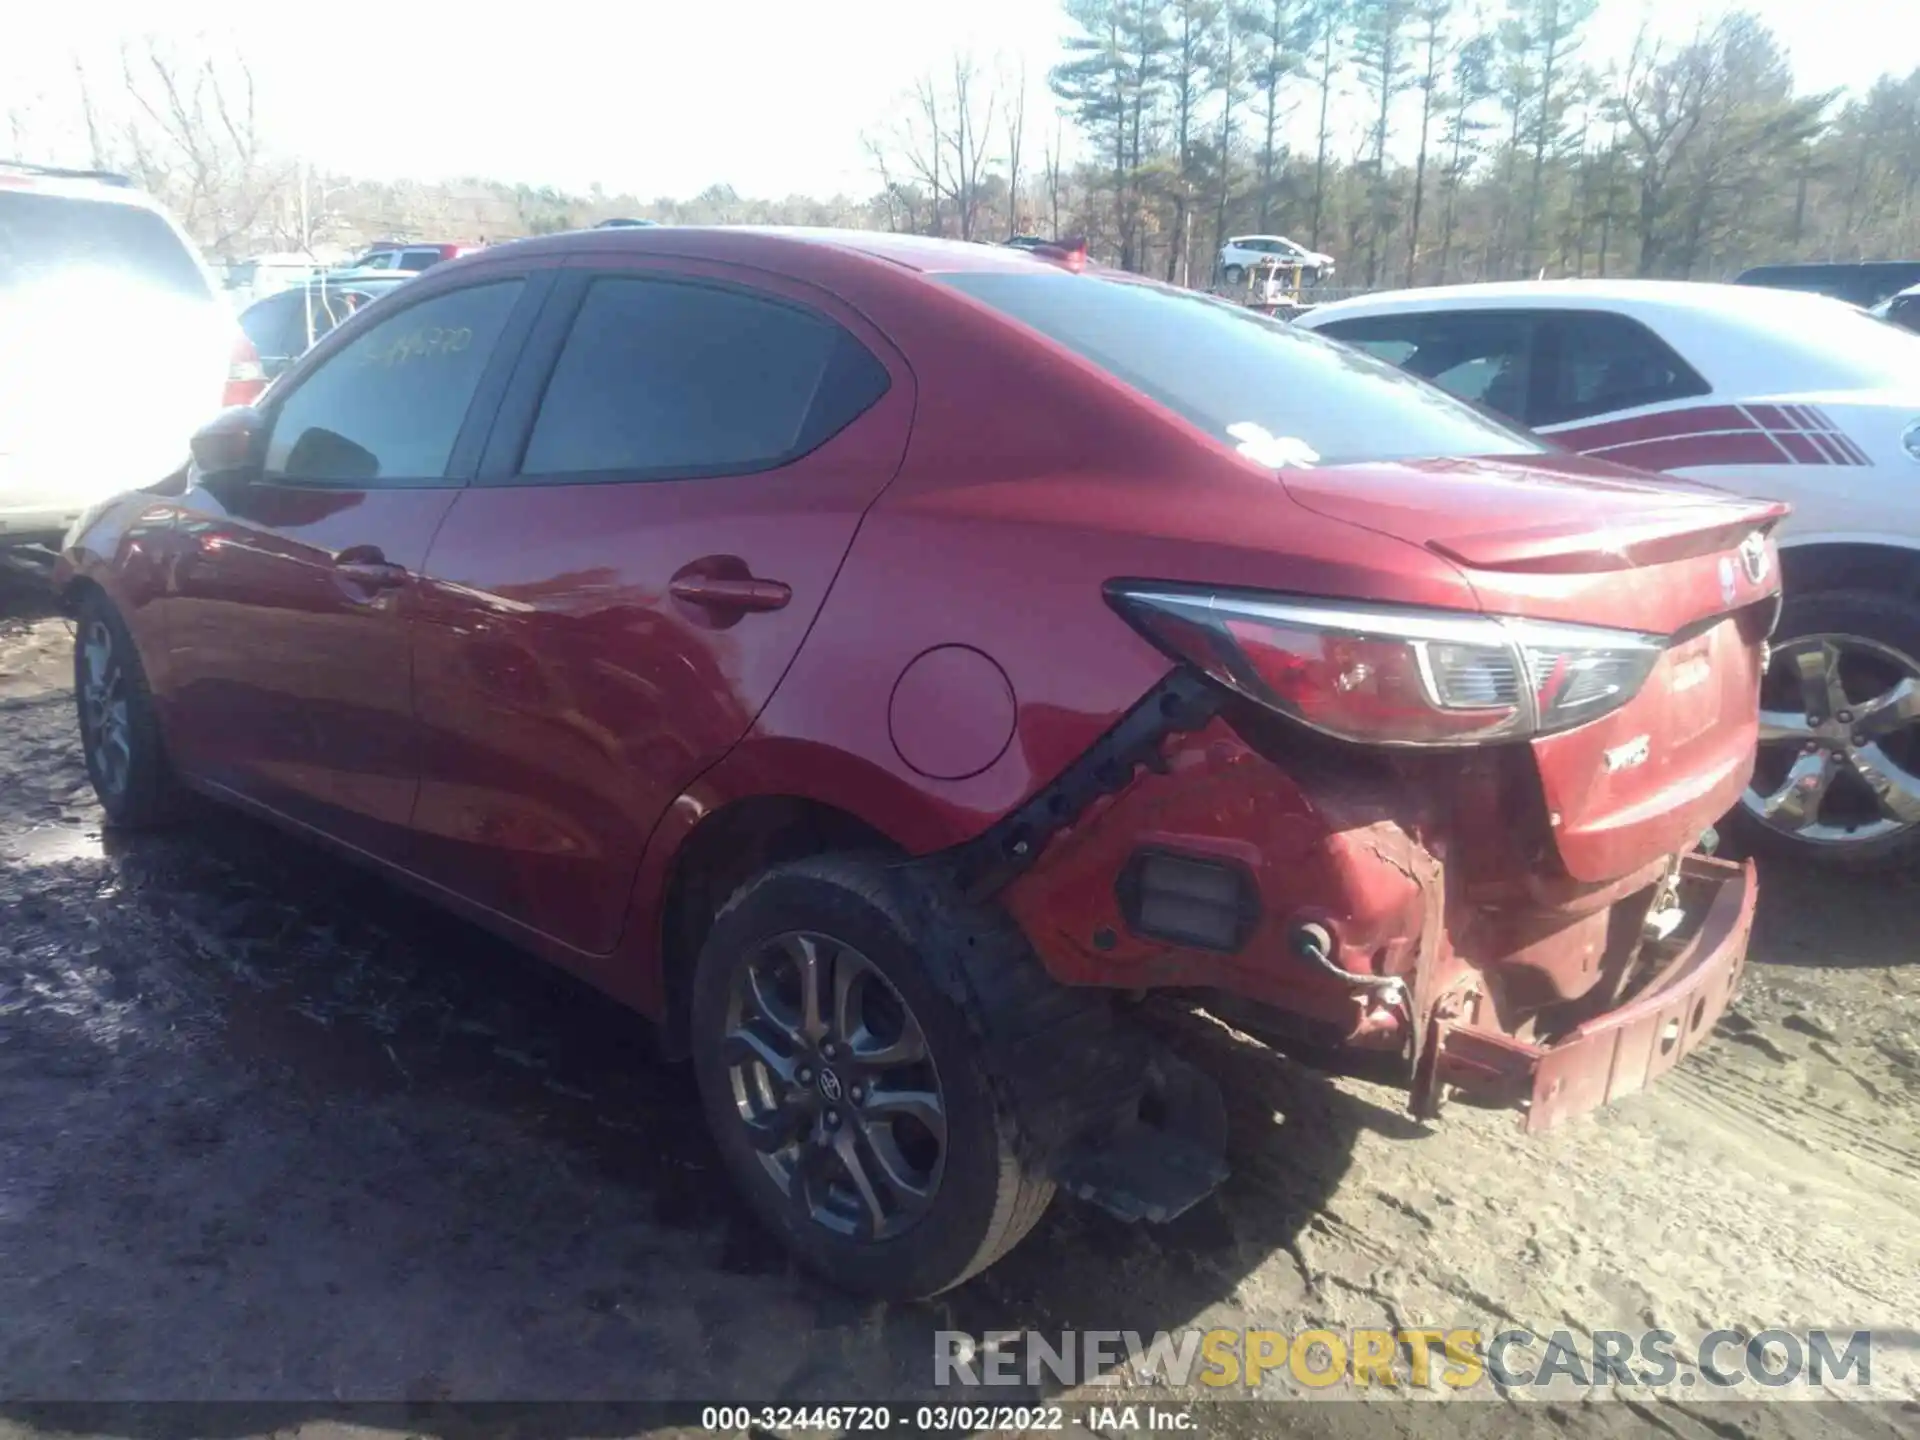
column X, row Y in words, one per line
column 1796, row 397
column 104, row 302
column 1902, row 309
column 284, row 326
column 259, row 276
column 412, row 258
column 873, row 656
column 621, row 223
column 1863, row 283
column 1242, row 252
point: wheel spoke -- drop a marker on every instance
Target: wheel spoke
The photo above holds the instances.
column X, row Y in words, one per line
column 912, row 1188
column 809, row 1178
column 750, row 1043
column 1796, row 804
column 907, row 1048
column 1884, row 714
column 804, row 951
column 1820, row 689
column 1783, row 725
column 1897, row 791
column 770, row 1006
column 846, row 1146
column 847, row 970
column 921, row 1105
column 774, row 1130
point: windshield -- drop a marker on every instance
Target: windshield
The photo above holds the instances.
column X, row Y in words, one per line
column 1277, row 394
column 47, row 237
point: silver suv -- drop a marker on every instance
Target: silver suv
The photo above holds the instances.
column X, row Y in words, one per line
column 102, row 299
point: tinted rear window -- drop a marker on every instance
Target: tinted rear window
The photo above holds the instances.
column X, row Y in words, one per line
column 664, row 379
column 44, row 236
column 1235, row 373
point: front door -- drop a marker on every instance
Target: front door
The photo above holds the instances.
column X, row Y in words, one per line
column 679, row 469
column 290, row 672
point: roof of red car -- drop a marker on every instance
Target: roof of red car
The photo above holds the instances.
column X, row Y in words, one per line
column 911, row 252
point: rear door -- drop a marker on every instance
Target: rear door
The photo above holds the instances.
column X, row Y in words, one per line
column 681, row 465
column 290, row 672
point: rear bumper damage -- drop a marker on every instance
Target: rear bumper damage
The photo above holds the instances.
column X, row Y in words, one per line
column 1624, row 1049
column 1400, row 922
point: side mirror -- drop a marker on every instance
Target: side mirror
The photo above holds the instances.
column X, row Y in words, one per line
column 228, row 446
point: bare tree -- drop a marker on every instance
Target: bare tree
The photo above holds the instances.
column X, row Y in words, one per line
column 1051, row 159
column 969, row 141
column 1016, row 132
column 191, row 135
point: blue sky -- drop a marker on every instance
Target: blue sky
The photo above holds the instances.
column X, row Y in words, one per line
column 667, row 98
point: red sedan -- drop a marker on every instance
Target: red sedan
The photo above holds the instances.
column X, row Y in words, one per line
column 871, row 657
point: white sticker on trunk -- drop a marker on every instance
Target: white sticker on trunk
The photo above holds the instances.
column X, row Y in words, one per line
column 1277, row 452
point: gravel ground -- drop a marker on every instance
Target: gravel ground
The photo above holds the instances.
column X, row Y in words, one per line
column 270, row 1131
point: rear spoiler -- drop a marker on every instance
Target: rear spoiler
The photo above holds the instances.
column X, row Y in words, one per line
column 1574, row 548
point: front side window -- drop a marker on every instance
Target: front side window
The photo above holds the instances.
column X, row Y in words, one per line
column 664, row 379
column 388, row 406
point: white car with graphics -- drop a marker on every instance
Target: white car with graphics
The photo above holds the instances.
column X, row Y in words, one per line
column 1773, row 393
column 1242, row 252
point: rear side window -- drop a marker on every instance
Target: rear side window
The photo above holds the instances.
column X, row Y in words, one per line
column 1236, row 374
column 276, row 326
column 54, row 237
column 388, row 406
column 663, row 379
column 418, row 260
column 1485, row 356
column 1597, row 363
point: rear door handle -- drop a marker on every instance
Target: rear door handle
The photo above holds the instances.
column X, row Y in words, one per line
column 716, row 593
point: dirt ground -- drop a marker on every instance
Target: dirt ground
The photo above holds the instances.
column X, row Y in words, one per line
column 272, row 1132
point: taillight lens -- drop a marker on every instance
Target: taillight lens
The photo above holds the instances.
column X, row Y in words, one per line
column 1387, row 675
column 246, row 377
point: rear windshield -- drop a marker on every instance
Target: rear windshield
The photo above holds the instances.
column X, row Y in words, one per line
column 1260, row 385
column 47, row 237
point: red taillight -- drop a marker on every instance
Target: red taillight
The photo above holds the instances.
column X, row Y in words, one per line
column 1068, row 254
column 1388, row 675
column 246, row 377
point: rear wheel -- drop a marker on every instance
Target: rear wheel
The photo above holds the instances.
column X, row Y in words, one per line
column 119, row 732
column 1837, row 777
column 845, row 1091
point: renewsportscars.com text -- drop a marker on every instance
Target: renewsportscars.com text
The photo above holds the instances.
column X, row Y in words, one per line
column 1423, row 1358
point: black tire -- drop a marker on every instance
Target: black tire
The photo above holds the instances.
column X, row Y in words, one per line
column 129, row 768
column 991, row 1186
column 1877, row 637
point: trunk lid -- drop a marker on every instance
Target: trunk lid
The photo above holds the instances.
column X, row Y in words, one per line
column 1563, row 538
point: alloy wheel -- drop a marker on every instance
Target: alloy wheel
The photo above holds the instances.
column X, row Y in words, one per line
column 1839, row 760
column 106, row 727
column 832, row 1079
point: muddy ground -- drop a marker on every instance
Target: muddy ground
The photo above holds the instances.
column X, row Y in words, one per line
column 272, row 1132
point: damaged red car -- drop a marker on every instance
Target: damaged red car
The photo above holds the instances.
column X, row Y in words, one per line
column 875, row 659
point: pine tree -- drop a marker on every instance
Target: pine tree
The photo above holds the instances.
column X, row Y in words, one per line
column 1380, row 58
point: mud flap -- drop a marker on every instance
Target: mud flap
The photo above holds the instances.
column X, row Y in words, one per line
column 1161, row 1161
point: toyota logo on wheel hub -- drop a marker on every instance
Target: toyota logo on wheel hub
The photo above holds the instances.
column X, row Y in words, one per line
column 829, row 1084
